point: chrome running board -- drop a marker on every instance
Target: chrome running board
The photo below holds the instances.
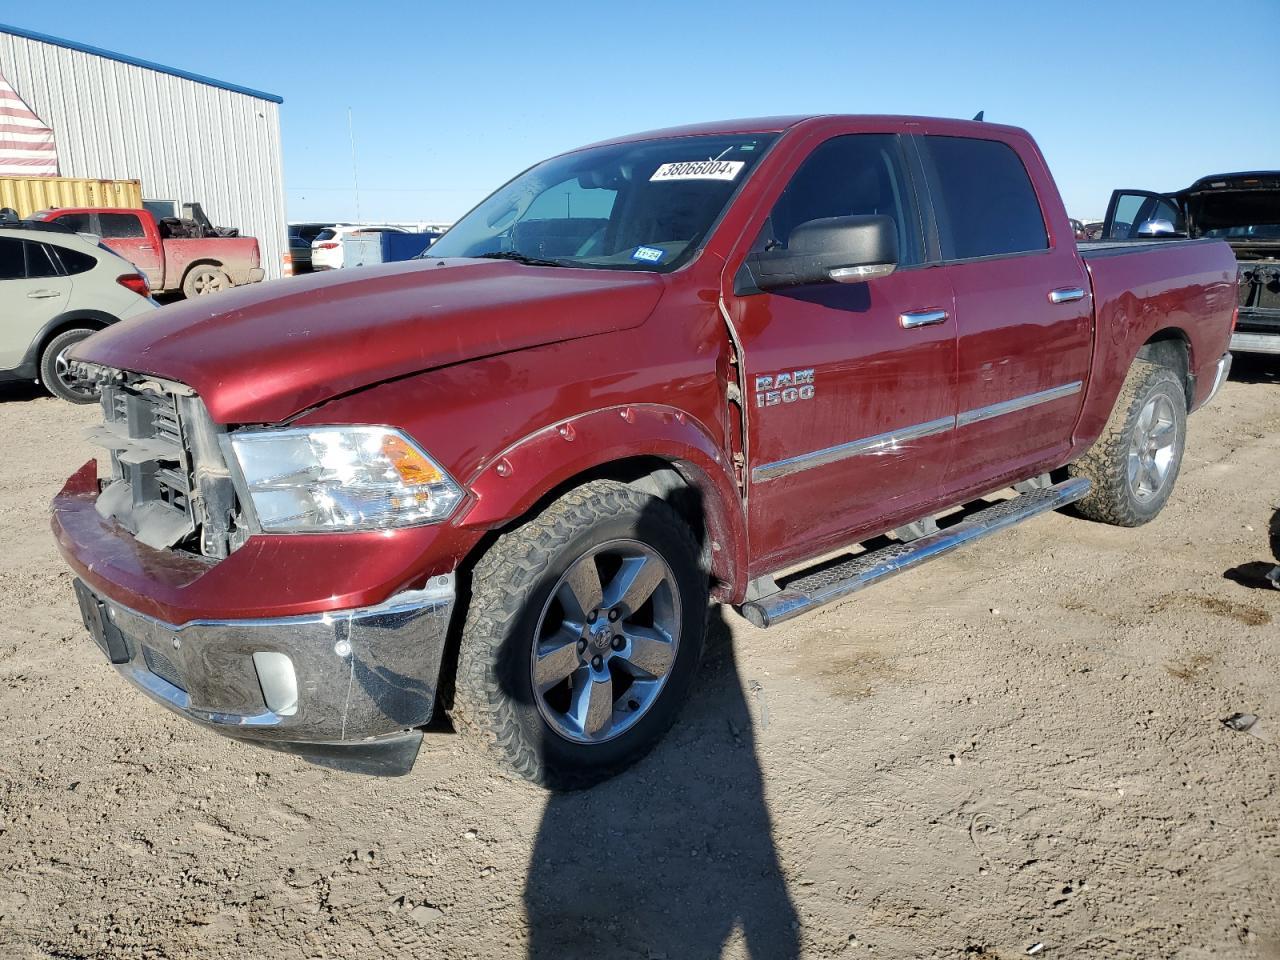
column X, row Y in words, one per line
column 812, row 590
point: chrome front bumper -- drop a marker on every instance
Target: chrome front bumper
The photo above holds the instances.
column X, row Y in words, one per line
column 345, row 688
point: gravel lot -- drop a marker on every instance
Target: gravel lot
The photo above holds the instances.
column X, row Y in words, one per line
column 1018, row 745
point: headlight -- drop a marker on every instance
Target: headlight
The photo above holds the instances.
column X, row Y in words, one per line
column 341, row 478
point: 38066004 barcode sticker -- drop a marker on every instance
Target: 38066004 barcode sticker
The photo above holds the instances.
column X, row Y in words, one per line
column 698, row 170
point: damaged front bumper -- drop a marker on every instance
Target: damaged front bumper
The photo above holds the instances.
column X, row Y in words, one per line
column 344, row 688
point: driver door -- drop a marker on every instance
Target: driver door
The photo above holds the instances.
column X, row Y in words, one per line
column 851, row 386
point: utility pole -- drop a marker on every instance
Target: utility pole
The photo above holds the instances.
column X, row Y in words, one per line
column 355, row 170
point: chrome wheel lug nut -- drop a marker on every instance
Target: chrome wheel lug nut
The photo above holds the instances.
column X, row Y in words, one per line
column 618, row 643
column 593, row 616
column 597, row 662
column 582, row 645
column 614, row 614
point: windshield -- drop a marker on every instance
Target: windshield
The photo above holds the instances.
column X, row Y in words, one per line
column 631, row 206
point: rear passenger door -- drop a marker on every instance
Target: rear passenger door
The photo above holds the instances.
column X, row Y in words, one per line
column 32, row 292
column 1023, row 309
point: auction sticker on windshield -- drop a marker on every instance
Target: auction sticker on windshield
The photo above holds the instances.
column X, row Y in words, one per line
column 698, row 170
column 648, row 254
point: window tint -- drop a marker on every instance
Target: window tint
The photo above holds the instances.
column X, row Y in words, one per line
column 75, row 261
column 12, row 263
column 123, row 225
column 79, row 222
column 39, row 262
column 846, row 176
column 983, row 199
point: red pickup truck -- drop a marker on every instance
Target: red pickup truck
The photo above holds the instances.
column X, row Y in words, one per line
column 196, row 266
column 505, row 479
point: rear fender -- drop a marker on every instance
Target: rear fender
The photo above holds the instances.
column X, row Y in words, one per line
column 512, row 483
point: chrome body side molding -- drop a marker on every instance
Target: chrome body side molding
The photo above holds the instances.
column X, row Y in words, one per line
column 888, row 442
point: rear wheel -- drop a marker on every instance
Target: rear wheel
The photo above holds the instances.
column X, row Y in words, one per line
column 1135, row 462
column 205, row 279
column 583, row 636
column 55, row 369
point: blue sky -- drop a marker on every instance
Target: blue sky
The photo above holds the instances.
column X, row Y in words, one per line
column 451, row 99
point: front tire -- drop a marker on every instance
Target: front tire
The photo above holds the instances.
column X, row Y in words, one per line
column 583, row 636
column 55, row 371
column 1135, row 463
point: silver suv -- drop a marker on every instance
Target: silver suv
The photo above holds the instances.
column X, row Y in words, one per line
column 56, row 288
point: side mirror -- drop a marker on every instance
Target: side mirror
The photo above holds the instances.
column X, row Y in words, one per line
column 1156, row 228
column 841, row 249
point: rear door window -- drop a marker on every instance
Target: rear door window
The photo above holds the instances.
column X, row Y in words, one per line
column 79, row 222
column 39, row 261
column 74, row 261
column 13, row 263
column 327, row 233
column 983, row 198
column 123, row 226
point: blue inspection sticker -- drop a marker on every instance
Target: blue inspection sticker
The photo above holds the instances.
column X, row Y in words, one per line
column 648, row 254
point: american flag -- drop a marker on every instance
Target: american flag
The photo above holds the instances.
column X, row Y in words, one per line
column 26, row 144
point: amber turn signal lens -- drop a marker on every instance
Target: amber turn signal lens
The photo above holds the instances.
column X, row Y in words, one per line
column 414, row 469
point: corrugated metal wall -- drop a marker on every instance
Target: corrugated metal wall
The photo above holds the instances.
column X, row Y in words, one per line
column 185, row 140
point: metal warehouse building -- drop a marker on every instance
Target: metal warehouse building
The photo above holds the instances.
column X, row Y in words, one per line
column 186, row 137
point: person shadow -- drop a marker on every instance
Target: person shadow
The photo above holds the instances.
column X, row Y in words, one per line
column 1263, row 574
column 674, row 857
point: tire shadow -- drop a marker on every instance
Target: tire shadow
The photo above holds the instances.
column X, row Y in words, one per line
column 674, row 856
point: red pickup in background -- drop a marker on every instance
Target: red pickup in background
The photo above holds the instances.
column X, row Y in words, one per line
column 196, row 266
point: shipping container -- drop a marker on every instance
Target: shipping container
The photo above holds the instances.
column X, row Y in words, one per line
column 29, row 194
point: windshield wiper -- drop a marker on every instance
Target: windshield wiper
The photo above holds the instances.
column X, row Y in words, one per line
column 520, row 258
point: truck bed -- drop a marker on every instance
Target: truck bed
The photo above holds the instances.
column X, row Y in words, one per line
column 1142, row 287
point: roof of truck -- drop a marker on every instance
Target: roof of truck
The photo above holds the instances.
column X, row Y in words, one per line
column 779, row 124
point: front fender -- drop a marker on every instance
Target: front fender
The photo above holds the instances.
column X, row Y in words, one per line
column 511, row 483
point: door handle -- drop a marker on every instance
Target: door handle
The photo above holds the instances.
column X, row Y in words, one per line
column 921, row 318
column 42, row 294
column 1066, row 294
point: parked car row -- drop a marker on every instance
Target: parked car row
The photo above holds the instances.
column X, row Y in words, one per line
column 319, row 246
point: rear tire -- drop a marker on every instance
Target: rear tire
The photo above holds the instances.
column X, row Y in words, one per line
column 203, row 280
column 55, row 373
column 1135, row 463
column 567, row 696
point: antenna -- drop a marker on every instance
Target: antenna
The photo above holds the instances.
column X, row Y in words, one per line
column 355, row 171
column 978, row 115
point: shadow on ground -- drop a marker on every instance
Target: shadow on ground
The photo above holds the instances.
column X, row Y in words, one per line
column 673, row 857
column 1261, row 574
column 1255, row 368
column 21, row 392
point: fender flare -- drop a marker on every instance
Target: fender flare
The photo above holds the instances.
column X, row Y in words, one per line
column 511, row 483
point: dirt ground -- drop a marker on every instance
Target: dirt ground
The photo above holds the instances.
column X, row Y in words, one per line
column 1017, row 750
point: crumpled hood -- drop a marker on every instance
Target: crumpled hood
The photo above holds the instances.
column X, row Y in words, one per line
column 263, row 353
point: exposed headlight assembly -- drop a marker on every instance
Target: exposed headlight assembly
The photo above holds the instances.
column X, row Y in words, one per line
column 341, row 478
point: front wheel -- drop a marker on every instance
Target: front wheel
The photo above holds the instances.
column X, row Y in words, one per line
column 55, row 369
column 583, row 636
column 1135, row 462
